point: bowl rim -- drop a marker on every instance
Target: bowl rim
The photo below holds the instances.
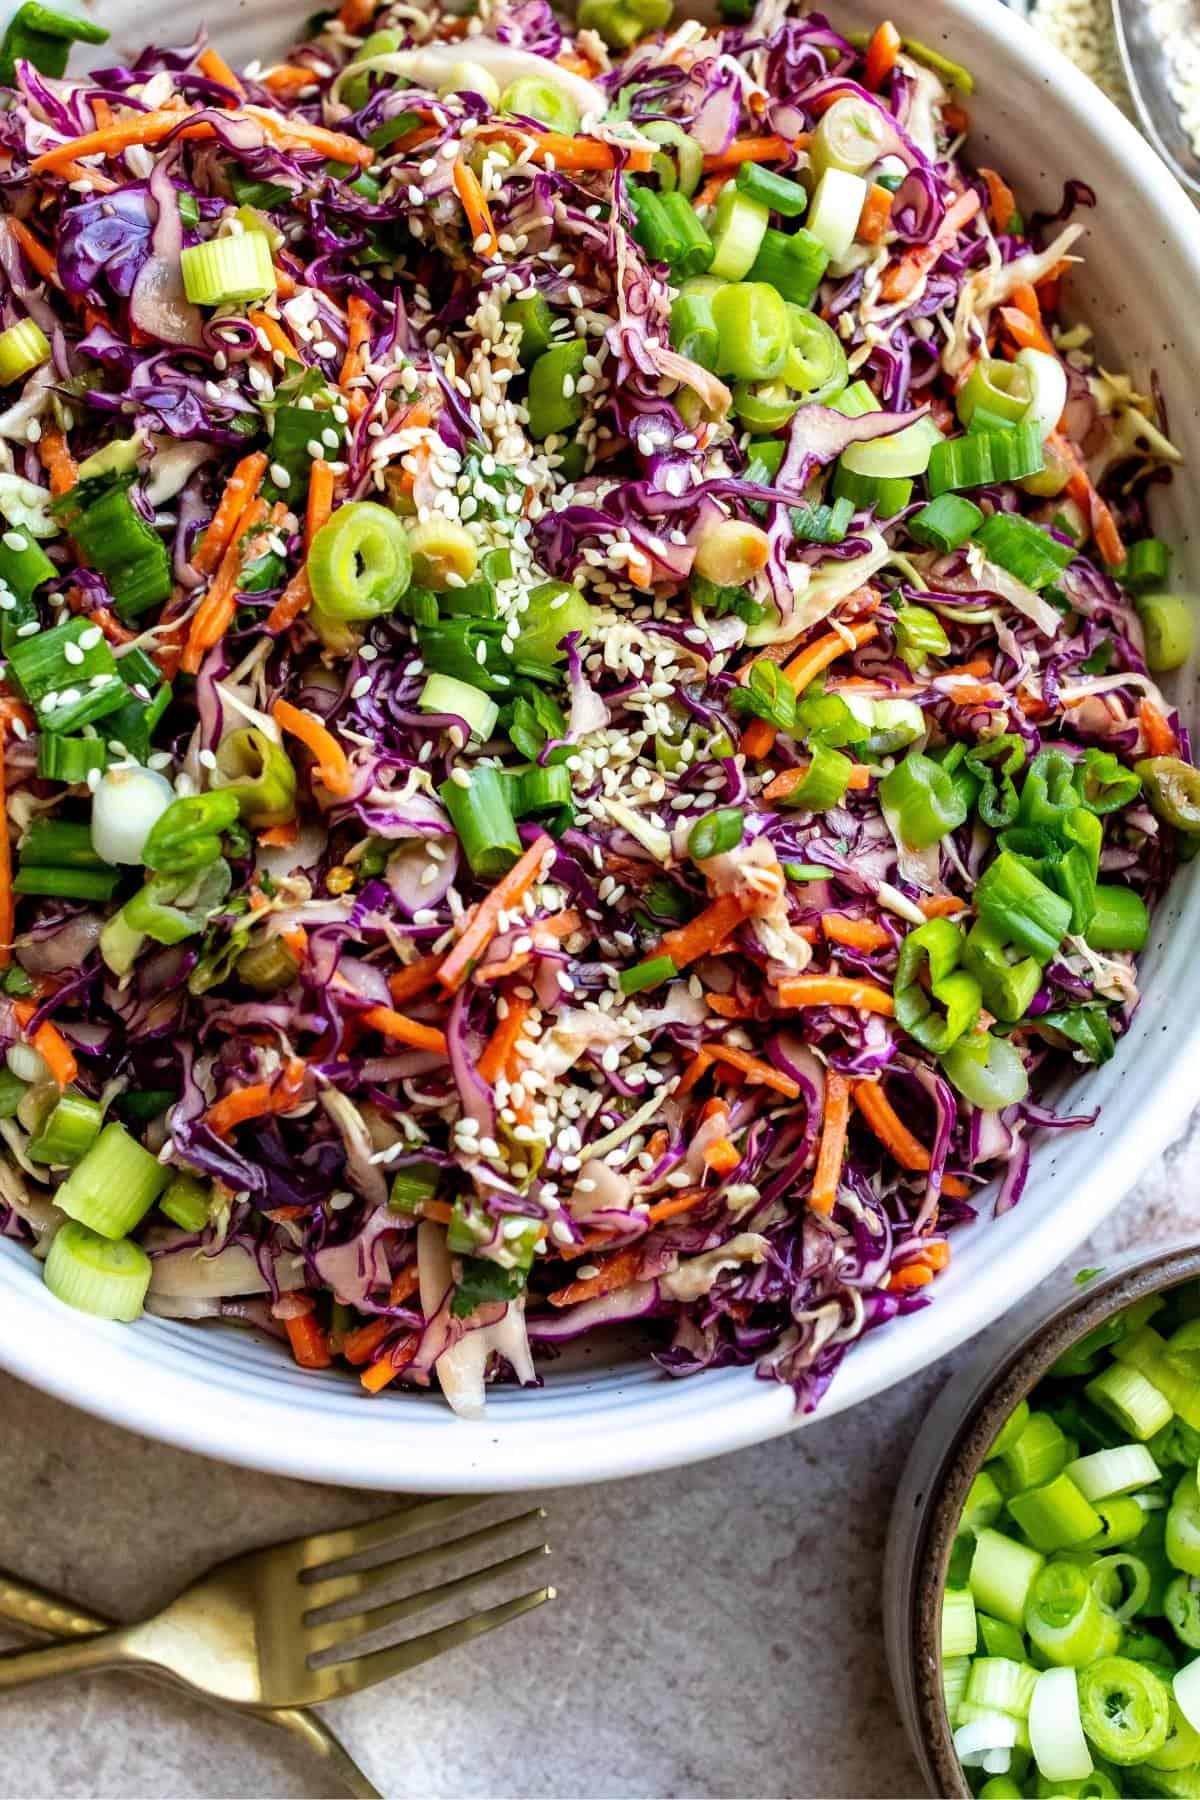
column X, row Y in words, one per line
column 1021, row 1365
column 142, row 1380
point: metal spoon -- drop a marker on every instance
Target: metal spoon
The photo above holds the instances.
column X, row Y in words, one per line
column 1146, row 61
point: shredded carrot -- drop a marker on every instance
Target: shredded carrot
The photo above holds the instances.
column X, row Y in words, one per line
column 576, row 64
column 474, row 204
column 882, row 52
column 277, row 338
column 49, row 1043
column 213, row 616
column 912, row 1275
column 699, row 1066
column 361, row 1344
column 722, row 1155
column 7, row 903
column 1028, row 333
column 498, row 1056
column 388, row 1367
column 295, row 599
column 834, row 1127
column 758, row 1072
column 101, row 110
column 876, row 215
column 241, row 488
column 35, row 252
column 579, row 155
column 355, row 15
column 748, row 150
column 857, row 934
column 1160, row 739
column 1001, row 203
column 888, row 1127
column 937, row 1254
column 320, row 501
column 484, row 919
column 404, row 1285
column 617, row 1271
column 288, row 78
column 57, row 460
column 297, row 938
column 100, row 184
column 789, row 779
column 906, row 275
column 405, row 1031
column 708, row 929
column 758, row 736
column 728, row 1007
column 956, row 118
column 257, row 1100
column 554, row 929
column 710, row 192
column 358, row 338
column 332, row 768
column 672, row 1207
column 142, row 128
column 941, row 906
column 416, row 979
column 1083, row 491
column 309, row 1340
column 835, row 990
column 213, row 64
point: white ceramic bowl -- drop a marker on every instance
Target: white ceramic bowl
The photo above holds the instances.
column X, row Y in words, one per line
column 221, row 1392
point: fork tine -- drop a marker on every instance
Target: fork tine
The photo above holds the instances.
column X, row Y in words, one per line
column 334, row 1634
column 334, row 1588
column 335, row 1546
column 362, row 1672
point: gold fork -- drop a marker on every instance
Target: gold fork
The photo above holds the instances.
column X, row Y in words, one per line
column 39, row 1613
column 250, row 1630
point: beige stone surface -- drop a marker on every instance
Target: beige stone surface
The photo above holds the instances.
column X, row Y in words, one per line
column 717, row 1632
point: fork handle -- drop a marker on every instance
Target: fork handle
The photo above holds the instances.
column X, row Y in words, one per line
column 36, row 1609
column 69, row 1656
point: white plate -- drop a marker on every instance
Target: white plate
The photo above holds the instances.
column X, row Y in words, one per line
column 1040, row 121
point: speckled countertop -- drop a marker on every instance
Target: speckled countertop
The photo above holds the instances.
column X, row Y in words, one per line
column 717, row 1631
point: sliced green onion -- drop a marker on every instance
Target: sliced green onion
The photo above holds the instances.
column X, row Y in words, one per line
column 793, row 263
column 114, row 1186
column 1023, row 549
column 855, row 401
column 68, row 759
column 1047, row 381
column 920, row 634
column 12, row 1089
column 1167, row 626
column 115, row 540
column 1186, row 1689
column 444, row 694
column 765, row 406
column 63, row 693
column 555, row 611
column 647, row 974
column 680, row 165
column 542, row 101
column 1000, row 388
column 1182, row 1541
column 959, row 1631
column 96, row 1275
column 187, row 836
column 1125, row 1709
column 816, row 365
column 1159, row 1362
column 1001, row 1639
column 738, row 228
column 1121, row 1520
column 1147, row 565
column 187, row 1202
column 694, row 251
column 888, row 494
column 22, row 347
column 1108, row 1473
column 653, row 227
column 946, row 523
column 716, row 833
column 982, row 1506
column 483, row 819
column 956, row 1672
column 988, row 1071
column 412, row 1186
column 777, row 192
column 1126, row 1396
column 68, row 1131
column 229, row 270
column 824, row 782
column 928, row 978
column 1010, row 1431
column 359, row 563
column 1056, row 1516
column 836, row 208
column 62, row 843
column 985, row 459
column 67, row 884
column 621, row 22
column 1055, row 1727
column 821, row 524
column 693, row 328
column 850, row 135
column 1120, row 921
column 1108, row 1576
column 1002, row 1574
column 1063, row 1618
column 555, row 404
column 1000, row 1682
column 1038, row 1454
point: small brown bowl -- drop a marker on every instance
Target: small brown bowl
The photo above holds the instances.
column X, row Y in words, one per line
column 946, row 1457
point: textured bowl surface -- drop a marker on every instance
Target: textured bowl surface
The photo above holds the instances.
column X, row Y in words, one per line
column 610, row 1413
column 947, row 1455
